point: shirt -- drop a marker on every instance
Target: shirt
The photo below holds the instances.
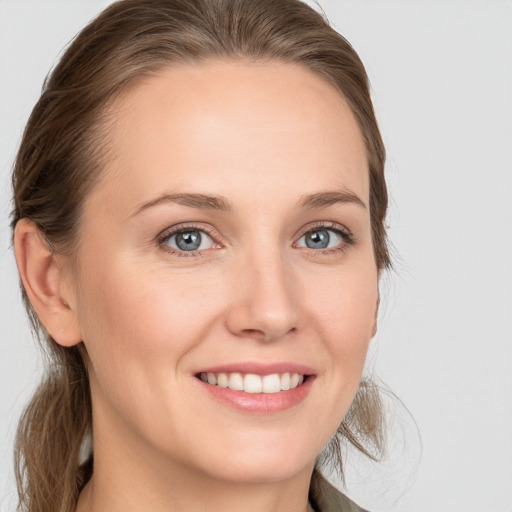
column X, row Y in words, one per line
column 326, row 498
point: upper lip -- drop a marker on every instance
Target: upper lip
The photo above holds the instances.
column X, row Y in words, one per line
column 258, row 368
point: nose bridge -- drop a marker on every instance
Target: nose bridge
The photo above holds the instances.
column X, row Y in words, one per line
column 266, row 306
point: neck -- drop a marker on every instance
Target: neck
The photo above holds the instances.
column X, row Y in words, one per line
column 104, row 493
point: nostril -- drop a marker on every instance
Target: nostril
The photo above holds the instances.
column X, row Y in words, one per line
column 268, row 335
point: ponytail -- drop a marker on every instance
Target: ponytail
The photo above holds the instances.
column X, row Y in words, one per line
column 49, row 471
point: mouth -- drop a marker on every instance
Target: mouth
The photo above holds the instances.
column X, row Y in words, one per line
column 253, row 383
column 258, row 388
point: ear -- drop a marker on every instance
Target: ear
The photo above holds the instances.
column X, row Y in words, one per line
column 44, row 281
column 376, row 315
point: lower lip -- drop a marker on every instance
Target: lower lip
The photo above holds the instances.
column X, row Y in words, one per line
column 265, row 403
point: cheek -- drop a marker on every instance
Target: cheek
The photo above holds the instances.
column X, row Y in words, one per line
column 139, row 328
column 343, row 313
column 345, row 310
column 144, row 318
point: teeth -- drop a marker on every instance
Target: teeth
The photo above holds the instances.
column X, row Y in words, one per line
column 222, row 380
column 285, row 381
column 236, row 382
column 271, row 383
column 251, row 383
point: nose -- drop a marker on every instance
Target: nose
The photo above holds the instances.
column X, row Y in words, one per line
column 265, row 305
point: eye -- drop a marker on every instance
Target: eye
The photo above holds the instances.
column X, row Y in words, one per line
column 324, row 237
column 187, row 240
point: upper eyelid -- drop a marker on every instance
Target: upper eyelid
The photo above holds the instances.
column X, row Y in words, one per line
column 324, row 225
column 173, row 230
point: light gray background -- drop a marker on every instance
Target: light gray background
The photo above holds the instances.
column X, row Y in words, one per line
column 441, row 74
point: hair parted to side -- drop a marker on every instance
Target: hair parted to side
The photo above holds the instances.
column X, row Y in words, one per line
column 62, row 154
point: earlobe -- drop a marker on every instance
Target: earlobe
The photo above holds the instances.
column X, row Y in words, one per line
column 44, row 282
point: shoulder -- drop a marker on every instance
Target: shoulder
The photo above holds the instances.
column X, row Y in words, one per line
column 326, row 498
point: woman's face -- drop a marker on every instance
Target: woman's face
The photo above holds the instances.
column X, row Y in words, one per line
column 228, row 240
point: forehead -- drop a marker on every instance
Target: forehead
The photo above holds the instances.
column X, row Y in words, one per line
column 216, row 126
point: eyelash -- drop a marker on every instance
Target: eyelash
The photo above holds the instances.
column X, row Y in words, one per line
column 344, row 233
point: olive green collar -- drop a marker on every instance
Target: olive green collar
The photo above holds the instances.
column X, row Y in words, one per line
column 326, row 498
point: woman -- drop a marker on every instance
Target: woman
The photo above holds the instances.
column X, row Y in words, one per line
column 199, row 230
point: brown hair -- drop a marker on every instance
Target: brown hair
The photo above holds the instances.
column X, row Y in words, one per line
column 61, row 156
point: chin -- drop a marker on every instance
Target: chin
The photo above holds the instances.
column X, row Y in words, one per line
column 249, row 472
column 261, row 460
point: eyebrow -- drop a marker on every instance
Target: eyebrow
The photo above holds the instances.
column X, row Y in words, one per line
column 206, row 202
column 323, row 199
column 200, row 201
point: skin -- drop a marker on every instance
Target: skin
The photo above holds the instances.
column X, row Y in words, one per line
column 262, row 136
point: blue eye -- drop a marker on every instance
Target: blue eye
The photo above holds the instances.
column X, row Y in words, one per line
column 188, row 240
column 321, row 238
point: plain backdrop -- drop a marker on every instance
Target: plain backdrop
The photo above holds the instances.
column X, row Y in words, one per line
column 441, row 75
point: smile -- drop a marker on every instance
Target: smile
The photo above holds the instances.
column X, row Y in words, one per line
column 252, row 383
